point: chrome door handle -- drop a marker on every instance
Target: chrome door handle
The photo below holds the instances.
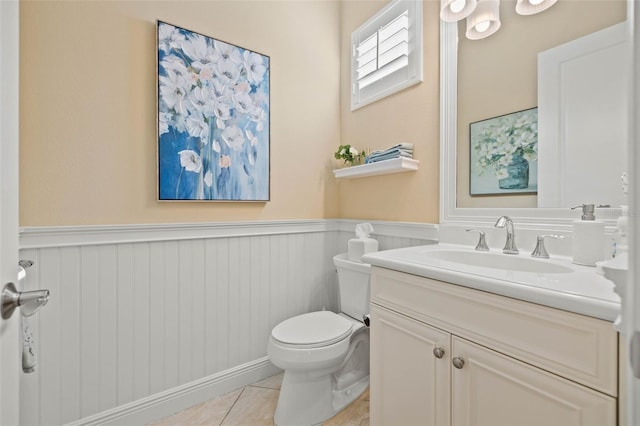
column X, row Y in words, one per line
column 30, row 301
column 438, row 352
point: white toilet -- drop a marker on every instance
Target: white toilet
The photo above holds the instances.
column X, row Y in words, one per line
column 324, row 355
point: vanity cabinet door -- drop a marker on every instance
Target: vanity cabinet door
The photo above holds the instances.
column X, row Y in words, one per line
column 410, row 371
column 492, row 389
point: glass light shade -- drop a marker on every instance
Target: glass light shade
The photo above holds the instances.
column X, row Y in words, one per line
column 530, row 7
column 485, row 20
column 456, row 10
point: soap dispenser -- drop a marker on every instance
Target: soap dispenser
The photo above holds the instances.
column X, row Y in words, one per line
column 588, row 237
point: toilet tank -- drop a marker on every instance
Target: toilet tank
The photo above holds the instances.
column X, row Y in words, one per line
column 353, row 283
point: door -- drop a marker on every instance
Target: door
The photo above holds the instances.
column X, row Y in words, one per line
column 583, row 98
column 409, row 375
column 495, row 390
column 9, row 329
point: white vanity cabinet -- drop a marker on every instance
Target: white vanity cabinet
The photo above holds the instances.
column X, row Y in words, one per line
column 444, row 354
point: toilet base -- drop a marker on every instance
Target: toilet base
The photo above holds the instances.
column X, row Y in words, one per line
column 311, row 402
column 309, row 398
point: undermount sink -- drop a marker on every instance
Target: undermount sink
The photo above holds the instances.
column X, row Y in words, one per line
column 497, row 261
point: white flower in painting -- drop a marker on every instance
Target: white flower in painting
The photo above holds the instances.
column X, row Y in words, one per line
column 175, row 68
column 502, row 173
column 243, row 102
column 532, row 154
column 222, row 109
column 208, row 178
column 202, row 101
column 254, row 65
column 216, row 146
column 179, row 122
column 227, row 52
column 196, row 48
column 219, row 88
column 233, row 137
column 258, row 116
column 169, row 37
column 173, row 94
column 197, row 127
column 206, row 71
column 190, row 160
column 164, row 118
column 228, row 71
column 252, row 138
column 175, row 85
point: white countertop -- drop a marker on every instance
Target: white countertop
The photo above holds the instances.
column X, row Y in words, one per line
column 583, row 290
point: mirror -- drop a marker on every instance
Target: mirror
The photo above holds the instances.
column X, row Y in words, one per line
column 496, row 76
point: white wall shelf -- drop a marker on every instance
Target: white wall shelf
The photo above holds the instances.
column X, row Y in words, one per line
column 395, row 165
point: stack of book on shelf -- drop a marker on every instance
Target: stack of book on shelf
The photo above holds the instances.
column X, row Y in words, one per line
column 400, row 150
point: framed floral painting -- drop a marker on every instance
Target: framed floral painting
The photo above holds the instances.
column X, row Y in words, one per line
column 504, row 154
column 213, row 118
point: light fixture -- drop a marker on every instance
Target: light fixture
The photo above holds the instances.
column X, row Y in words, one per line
column 529, row 7
column 455, row 10
column 485, row 19
column 483, row 16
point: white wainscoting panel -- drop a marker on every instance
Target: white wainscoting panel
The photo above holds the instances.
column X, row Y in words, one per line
column 128, row 319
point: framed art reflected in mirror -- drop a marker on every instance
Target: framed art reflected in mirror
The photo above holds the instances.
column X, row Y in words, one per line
column 504, row 154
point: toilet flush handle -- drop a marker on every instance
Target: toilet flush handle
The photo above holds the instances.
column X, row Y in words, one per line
column 366, row 319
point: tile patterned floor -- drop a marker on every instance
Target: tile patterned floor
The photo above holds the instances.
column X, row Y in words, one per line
column 255, row 405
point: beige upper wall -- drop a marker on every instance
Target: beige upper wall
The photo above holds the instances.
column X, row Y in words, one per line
column 498, row 75
column 88, row 108
column 408, row 116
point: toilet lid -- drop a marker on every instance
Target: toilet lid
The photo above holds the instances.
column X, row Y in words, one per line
column 314, row 329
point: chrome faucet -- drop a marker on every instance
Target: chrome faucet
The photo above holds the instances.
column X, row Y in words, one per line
column 510, row 244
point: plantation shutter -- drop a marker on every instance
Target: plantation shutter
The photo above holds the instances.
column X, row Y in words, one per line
column 387, row 53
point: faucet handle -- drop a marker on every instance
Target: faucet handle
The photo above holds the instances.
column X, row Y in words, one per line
column 540, row 251
column 482, row 242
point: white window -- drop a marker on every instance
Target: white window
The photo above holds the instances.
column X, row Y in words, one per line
column 386, row 53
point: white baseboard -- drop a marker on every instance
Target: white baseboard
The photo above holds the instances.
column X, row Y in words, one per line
column 166, row 403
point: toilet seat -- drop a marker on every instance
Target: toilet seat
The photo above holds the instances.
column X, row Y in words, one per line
column 312, row 330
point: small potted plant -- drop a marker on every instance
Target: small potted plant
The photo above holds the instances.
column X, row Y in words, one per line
column 350, row 155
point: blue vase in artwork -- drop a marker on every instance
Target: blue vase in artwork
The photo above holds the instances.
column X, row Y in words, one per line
column 518, row 174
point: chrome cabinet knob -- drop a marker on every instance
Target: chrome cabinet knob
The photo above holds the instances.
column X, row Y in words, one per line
column 438, row 352
column 458, row 362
